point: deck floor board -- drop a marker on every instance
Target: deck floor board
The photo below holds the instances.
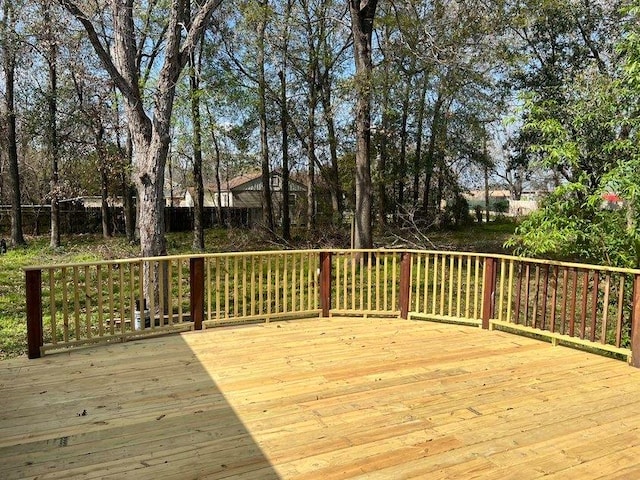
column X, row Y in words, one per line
column 337, row 398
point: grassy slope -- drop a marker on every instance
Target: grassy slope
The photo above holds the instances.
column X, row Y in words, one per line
column 487, row 238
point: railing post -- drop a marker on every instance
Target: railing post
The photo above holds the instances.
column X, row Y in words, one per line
column 35, row 340
column 635, row 323
column 325, row 283
column 196, row 297
column 405, row 284
column 488, row 291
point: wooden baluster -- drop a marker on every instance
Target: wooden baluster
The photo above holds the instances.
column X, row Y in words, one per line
column 565, row 296
column 35, row 336
column 394, row 275
column 180, row 293
column 452, row 276
column 527, row 289
column 132, row 295
column 635, row 323
column 385, row 288
column 574, row 300
column 369, row 268
column 87, row 302
column 605, row 309
column 594, row 306
column 443, row 282
column 620, row 316
column 405, row 284
column 476, row 286
column 545, row 291
column 488, row 291
column 554, row 298
column 292, row 289
column 196, row 284
column 459, row 287
column 426, row 284
column 585, row 301
column 360, row 280
column 236, row 286
column 253, row 285
column 510, row 290
column 76, row 304
column 434, row 295
column 121, row 300
column 536, row 298
column 325, row 283
column 261, row 309
column 378, row 282
column 518, row 293
column 500, row 308
column 467, row 299
column 52, row 304
column 244, row 286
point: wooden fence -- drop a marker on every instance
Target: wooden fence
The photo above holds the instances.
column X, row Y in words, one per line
column 583, row 305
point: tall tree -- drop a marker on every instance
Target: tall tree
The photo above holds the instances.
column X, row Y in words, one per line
column 362, row 16
column 9, row 45
column 53, row 150
column 267, row 203
column 198, row 201
column 150, row 134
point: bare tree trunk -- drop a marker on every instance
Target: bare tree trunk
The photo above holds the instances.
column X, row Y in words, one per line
column 284, row 124
column 402, row 174
column 487, row 205
column 383, row 151
column 327, row 111
column 104, row 183
column 218, row 181
column 418, row 159
column 128, row 192
column 311, row 150
column 52, row 128
column 9, row 64
column 198, row 201
column 267, row 204
column 362, row 15
column 431, row 151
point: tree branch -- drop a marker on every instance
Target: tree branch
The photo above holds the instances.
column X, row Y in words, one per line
column 122, row 84
column 196, row 29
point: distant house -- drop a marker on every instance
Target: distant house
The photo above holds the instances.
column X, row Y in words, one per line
column 528, row 201
column 95, row 201
column 245, row 192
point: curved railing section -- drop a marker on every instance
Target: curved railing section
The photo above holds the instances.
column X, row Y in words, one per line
column 589, row 306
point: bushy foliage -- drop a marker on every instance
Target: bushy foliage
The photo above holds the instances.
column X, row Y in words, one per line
column 566, row 228
column 590, row 135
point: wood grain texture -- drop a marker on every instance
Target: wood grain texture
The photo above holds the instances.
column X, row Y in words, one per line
column 328, row 398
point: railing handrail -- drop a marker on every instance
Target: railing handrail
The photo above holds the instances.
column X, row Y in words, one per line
column 399, row 250
column 387, row 281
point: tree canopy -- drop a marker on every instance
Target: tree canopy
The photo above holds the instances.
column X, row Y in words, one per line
column 386, row 111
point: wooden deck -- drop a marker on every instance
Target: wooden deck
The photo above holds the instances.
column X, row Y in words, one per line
column 322, row 399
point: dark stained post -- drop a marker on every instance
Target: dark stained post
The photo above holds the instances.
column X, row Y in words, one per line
column 489, row 290
column 635, row 324
column 33, row 279
column 325, row 282
column 196, row 298
column 405, row 284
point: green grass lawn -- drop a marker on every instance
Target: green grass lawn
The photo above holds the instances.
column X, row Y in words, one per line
column 86, row 248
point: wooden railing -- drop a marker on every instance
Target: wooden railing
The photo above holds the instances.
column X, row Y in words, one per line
column 585, row 305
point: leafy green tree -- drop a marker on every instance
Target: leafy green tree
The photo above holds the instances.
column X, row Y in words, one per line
column 589, row 134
